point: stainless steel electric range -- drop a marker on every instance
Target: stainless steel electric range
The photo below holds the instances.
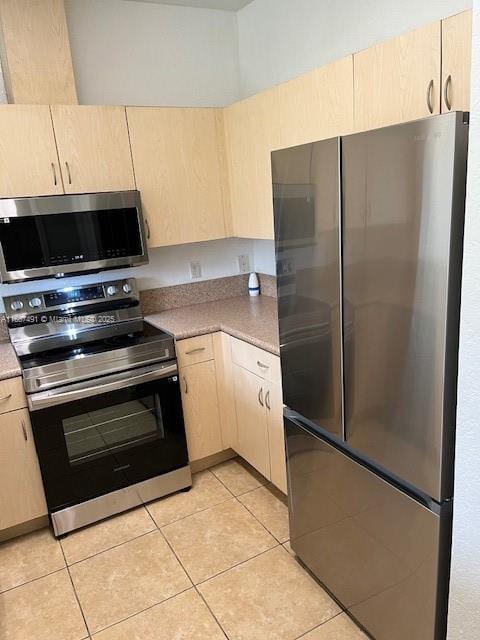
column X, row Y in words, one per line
column 104, row 399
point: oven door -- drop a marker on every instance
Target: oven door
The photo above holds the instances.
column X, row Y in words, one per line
column 93, row 438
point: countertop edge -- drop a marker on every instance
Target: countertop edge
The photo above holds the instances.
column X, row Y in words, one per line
column 213, row 328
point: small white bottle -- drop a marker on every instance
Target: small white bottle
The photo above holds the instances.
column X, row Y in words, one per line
column 253, row 285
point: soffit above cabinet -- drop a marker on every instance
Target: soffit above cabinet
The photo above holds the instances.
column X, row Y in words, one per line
column 225, row 5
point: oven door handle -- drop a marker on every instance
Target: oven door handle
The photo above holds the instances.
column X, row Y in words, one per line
column 38, row 401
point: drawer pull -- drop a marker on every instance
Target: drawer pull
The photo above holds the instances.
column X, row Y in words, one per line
column 6, row 397
column 54, row 174
column 185, row 384
column 267, row 399
column 68, row 173
column 197, row 350
column 25, row 436
column 260, row 396
column 262, row 365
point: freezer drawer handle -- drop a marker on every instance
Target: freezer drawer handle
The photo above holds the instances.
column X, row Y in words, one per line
column 262, row 365
column 260, row 396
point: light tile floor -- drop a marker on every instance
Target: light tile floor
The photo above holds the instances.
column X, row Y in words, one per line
column 209, row 564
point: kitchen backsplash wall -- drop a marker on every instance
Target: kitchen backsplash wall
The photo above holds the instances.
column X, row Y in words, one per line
column 163, row 298
column 170, row 266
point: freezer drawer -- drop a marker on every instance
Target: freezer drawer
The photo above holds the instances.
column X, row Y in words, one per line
column 382, row 554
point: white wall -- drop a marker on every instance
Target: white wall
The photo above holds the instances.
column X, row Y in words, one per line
column 167, row 266
column 280, row 39
column 142, row 53
column 464, row 615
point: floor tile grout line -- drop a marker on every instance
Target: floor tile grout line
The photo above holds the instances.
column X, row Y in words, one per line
column 190, row 514
column 137, row 613
column 319, row 625
column 213, row 615
column 115, row 546
column 263, row 525
column 239, row 564
column 77, row 597
column 17, row 586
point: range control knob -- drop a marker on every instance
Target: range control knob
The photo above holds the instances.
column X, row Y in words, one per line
column 127, row 288
column 35, row 303
column 16, row 305
column 111, row 290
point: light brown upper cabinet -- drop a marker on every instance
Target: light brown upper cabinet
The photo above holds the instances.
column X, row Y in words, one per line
column 36, row 58
column 28, row 155
column 398, row 80
column 93, row 148
column 180, row 169
column 315, row 106
column 456, row 62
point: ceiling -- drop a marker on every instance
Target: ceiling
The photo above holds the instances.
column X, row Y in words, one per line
column 226, row 5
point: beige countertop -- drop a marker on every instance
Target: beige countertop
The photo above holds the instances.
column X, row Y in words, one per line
column 9, row 365
column 254, row 320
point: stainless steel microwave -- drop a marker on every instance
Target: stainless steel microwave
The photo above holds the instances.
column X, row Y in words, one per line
column 52, row 236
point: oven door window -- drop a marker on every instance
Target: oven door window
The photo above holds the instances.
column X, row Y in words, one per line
column 96, row 445
column 113, row 429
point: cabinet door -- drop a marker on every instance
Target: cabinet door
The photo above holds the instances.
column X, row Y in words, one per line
column 28, row 156
column 251, row 419
column 93, row 148
column 249, row 166
column 456, row 62
column 180, row 168
column 222, row 345
column 21, row 491
column 200, row 409
column 398, row 80
column 276, row 438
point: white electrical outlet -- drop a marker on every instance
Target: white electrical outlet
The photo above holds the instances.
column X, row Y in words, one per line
column 195, row 269
column 244, row 263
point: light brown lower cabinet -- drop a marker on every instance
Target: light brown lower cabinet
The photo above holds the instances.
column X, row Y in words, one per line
column 200, row 409
column 250, row 391
column 21, row 490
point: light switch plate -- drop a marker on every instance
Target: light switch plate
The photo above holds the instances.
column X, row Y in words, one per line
column 195, row 269
column 244, row 263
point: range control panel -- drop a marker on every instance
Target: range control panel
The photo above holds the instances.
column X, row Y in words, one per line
column 70, row 298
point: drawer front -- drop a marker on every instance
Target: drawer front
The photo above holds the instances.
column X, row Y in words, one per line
column 193, row 350
column 12, row 395
column 262, row 363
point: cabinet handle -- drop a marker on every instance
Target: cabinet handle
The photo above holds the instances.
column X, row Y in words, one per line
column 148, row 228
column 6, row 397
column 54, row 171
column 197, row 350
column 25, row 436
column 68, row 173
column 260, row 396
column 446, row 91
column 185, row 384
column 429, row 96
column 267, row 399
column 262, row 365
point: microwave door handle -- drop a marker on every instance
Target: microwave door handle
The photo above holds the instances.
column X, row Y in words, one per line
column 49, row 399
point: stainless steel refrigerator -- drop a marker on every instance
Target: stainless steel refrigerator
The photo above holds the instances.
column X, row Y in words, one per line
column 368, row 239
